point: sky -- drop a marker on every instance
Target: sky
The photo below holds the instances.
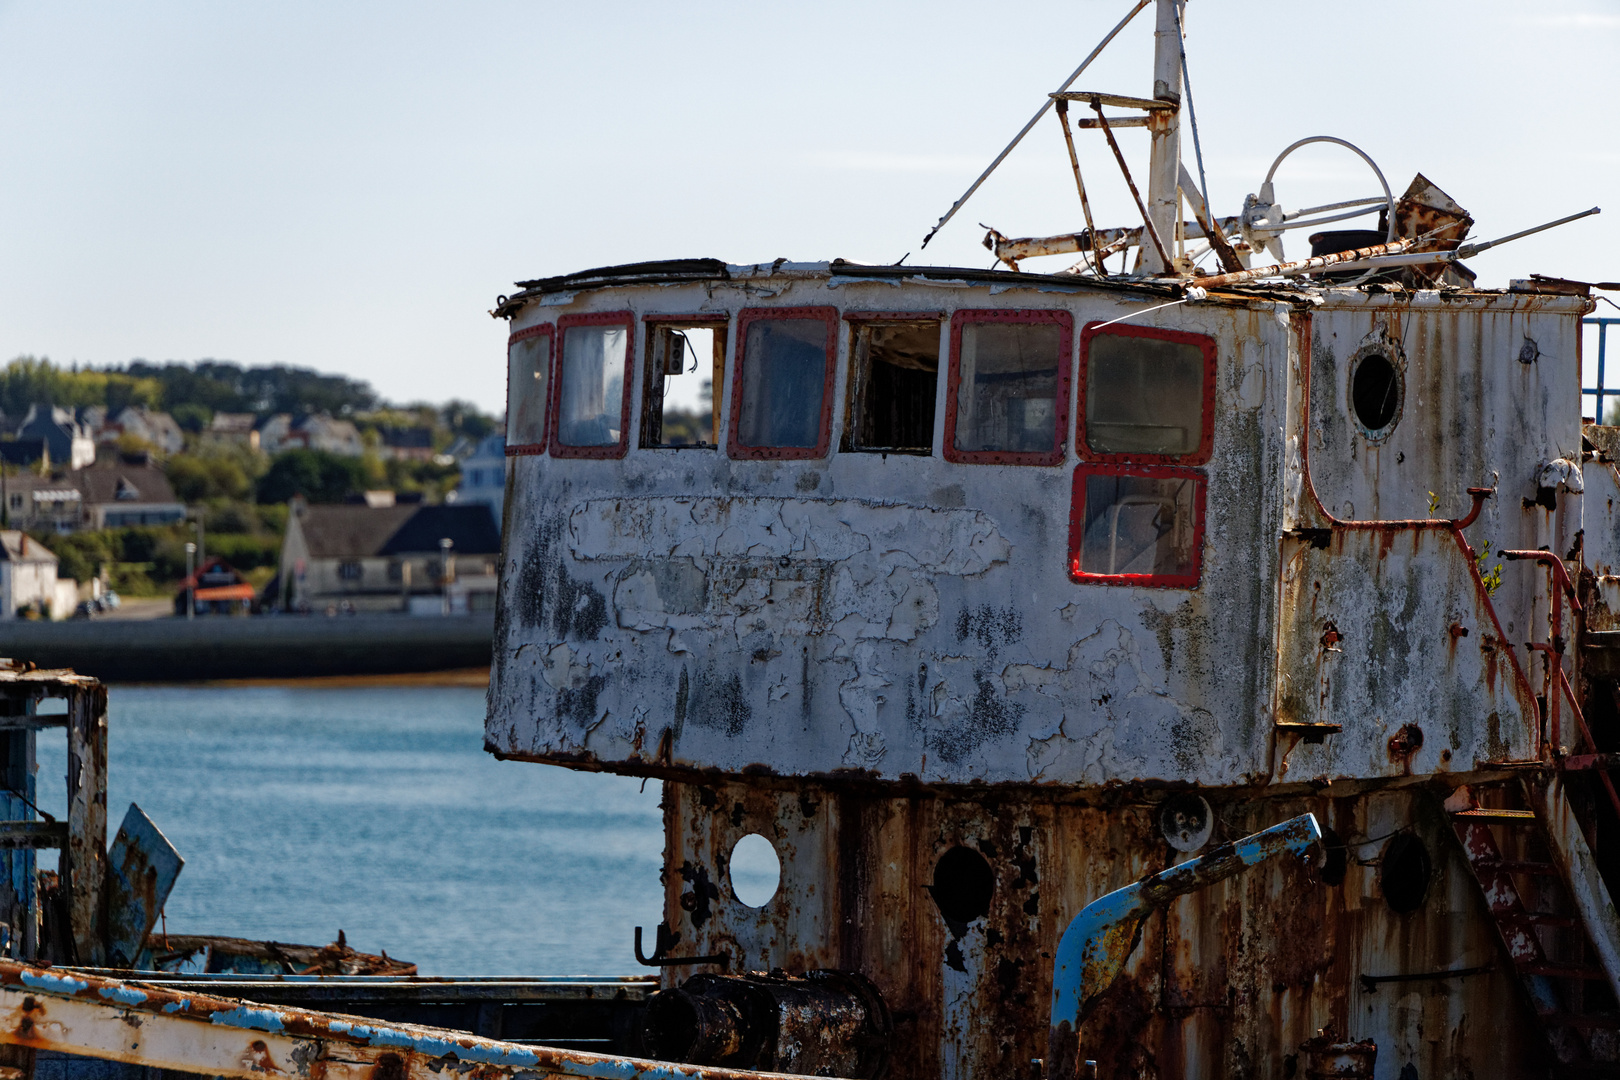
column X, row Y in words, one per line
column 349, row 186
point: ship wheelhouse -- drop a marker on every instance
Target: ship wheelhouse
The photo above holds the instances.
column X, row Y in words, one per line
column 963, row 588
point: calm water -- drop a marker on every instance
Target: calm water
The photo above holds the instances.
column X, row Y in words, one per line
column 300, row 811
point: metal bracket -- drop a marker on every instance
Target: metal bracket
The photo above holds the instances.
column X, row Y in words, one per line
column 659, row 959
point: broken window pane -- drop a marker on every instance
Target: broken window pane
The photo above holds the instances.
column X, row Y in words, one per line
column 896, row 377
column 1007, row 399
column 680, row 407
column 1144, row 395
column 528, row 367
column 591, row 384
column 784, row 383
column 1139, row 525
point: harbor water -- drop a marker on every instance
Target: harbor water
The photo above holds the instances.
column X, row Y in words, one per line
column 304, row 810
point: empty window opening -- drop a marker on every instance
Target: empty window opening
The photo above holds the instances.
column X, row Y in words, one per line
column 1375, row 392
column 782, row 395
column 680, row 407
column 590, row 384
column 1137, row 526
column 1010, row 385
column 895, row 384
column 528, row 373
column 1147, row 394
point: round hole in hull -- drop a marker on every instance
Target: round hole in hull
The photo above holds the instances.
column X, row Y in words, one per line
column 755, row 870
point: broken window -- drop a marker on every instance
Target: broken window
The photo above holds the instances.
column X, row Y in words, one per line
column 893, row 385
column 781, row 401
column 1009, row 387
column 1136, row 525
column 1146, row 394
column 528, row 373
column 685, row 362
column 592, row 395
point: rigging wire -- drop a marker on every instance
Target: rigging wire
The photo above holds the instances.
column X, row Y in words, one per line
column 957, row 205
column 1192, row 117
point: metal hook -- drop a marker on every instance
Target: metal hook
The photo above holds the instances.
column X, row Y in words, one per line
column 659, row 959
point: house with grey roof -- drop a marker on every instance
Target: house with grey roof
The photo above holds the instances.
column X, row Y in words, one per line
column 68, row 439
column 358, row 557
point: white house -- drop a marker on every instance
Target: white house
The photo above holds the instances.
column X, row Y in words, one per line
column 28, row 578
column 483, row 476
column 317, row 431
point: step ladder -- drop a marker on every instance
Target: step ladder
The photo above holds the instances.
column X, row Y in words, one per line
column 1552, row 912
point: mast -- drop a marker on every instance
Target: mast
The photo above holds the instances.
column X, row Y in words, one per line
column 1164, row 127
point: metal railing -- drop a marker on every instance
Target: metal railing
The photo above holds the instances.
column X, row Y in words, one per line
column 1600, row 391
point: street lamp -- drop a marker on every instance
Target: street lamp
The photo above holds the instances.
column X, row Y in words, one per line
column 447, row 573
column 191, row 580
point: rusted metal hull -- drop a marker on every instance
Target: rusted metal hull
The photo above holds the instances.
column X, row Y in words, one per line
column 1228, row 981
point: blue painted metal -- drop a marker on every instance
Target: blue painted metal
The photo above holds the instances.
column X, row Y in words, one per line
column 1600, row 391
column 1099, row 940
column 142, row 868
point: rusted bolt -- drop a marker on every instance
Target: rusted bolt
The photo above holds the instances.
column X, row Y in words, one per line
column 1458, row 630
column 1331, row 637
column 29, row 1004
column 1405, row 742
column 688, row 900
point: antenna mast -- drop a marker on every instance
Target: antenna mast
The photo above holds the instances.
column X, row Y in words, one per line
column 1164, row 127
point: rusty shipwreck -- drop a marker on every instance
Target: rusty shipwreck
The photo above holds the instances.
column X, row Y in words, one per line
column 1192, row 664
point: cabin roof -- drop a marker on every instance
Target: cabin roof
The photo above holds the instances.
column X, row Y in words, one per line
column 676, row 271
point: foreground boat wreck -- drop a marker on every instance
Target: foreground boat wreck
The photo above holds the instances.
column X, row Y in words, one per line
column 980, row 594
column 992, row 604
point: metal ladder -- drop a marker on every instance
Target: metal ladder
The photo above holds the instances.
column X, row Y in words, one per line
column 1557, row 954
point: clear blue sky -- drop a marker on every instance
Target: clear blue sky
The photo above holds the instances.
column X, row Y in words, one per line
column 349, row 186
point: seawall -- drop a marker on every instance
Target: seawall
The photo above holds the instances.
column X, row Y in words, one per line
column 225, row 647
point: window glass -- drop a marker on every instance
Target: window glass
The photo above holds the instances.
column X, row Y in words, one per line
column 591, row 385
column 1144, row 395
column 1139, row 525
column 784, row 381
column 528, row 368
column 1007, row 395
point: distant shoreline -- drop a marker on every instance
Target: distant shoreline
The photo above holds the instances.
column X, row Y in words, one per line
column 390, row 649
column 456, row 677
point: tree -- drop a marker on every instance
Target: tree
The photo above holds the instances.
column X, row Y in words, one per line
column 315, row 474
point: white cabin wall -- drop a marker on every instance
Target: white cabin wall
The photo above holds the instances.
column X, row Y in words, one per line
column 888, row 617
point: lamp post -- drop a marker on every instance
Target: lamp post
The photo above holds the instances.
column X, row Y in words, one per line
column 447, row 573
column 191, row 580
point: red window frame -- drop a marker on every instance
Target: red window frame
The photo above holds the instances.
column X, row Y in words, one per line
column 626, row 319
column 1077, row 525
column 549, row 331
column 746, row 318
column 1206, row 443
column 953, row 387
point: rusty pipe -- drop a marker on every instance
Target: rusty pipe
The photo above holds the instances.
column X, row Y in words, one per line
column 1094, row 948
column 1305, row 266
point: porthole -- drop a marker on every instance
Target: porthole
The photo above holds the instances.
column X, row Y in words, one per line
column 963, row 885
column 755, row 870
column 1377, row 390
column 1404, row 872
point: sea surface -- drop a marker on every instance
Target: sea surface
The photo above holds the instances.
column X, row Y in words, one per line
column 300, row 811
